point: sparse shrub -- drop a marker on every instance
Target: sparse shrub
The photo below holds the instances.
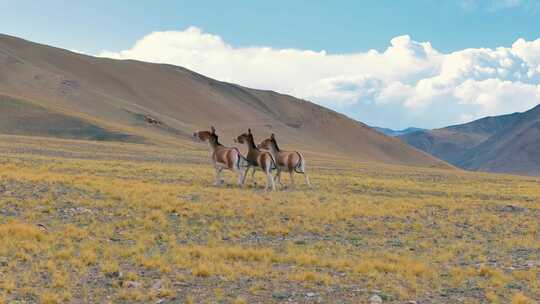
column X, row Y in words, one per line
column 110, row 268
column 240, row 300
column 48, row 297
column 8, row 285
column 520, row 298
column 88, row 256
column 201, row 270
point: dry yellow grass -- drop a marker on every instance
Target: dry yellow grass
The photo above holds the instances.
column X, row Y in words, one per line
column 93, row 222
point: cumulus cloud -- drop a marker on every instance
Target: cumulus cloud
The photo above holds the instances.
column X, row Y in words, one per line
column 410, row 83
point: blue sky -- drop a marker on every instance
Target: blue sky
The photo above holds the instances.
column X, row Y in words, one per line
column 337, row 27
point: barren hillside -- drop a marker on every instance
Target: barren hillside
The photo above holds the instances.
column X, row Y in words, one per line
column 138, row 101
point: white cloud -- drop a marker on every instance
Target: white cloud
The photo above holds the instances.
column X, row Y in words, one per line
column 529, row 51
column 492, row 95
column 78, row 52
column 408, row 84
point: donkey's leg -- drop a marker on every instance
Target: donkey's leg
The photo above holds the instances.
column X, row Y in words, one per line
column 270, row 177
column 244, row 175
column 278, row 177
column 303, row 171
column 291, row 173
column 306, row 177
column 253, row 180
column 218, row 176
column 222, row 179
column 269, row 181
column 241, row 178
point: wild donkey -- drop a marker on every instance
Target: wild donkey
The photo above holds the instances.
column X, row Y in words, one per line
column 258, row 159
column 289, row 161
column 223, row 157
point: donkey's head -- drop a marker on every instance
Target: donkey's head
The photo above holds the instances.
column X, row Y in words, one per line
column 269, row 143
column 266, row 143
column 205, row 136
column 244, row 137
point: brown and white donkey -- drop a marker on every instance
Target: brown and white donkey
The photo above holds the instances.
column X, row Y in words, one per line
column 223, row 157
column 289, row 161
column 258, row 159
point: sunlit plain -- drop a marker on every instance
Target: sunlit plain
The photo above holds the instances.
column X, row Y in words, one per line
column 126, row 223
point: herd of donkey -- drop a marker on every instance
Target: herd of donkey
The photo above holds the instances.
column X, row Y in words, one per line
column 266, row 156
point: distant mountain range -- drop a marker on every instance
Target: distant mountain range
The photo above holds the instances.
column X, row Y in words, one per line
column 394, row 133
column 506, row 144
column 48, row 91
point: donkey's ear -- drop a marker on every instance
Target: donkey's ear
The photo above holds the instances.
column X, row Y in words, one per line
column 213, row 129
column 272, row 136
column 249, row 131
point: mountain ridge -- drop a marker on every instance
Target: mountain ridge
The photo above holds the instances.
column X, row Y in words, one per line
column 163, row 102
column 395, row 133
column 507, row 143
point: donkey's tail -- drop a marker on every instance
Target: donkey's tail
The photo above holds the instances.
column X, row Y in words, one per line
column 273, row 166
column 241, row 162
column 301, row 165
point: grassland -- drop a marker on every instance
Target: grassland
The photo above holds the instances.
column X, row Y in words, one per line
column 88, row 222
